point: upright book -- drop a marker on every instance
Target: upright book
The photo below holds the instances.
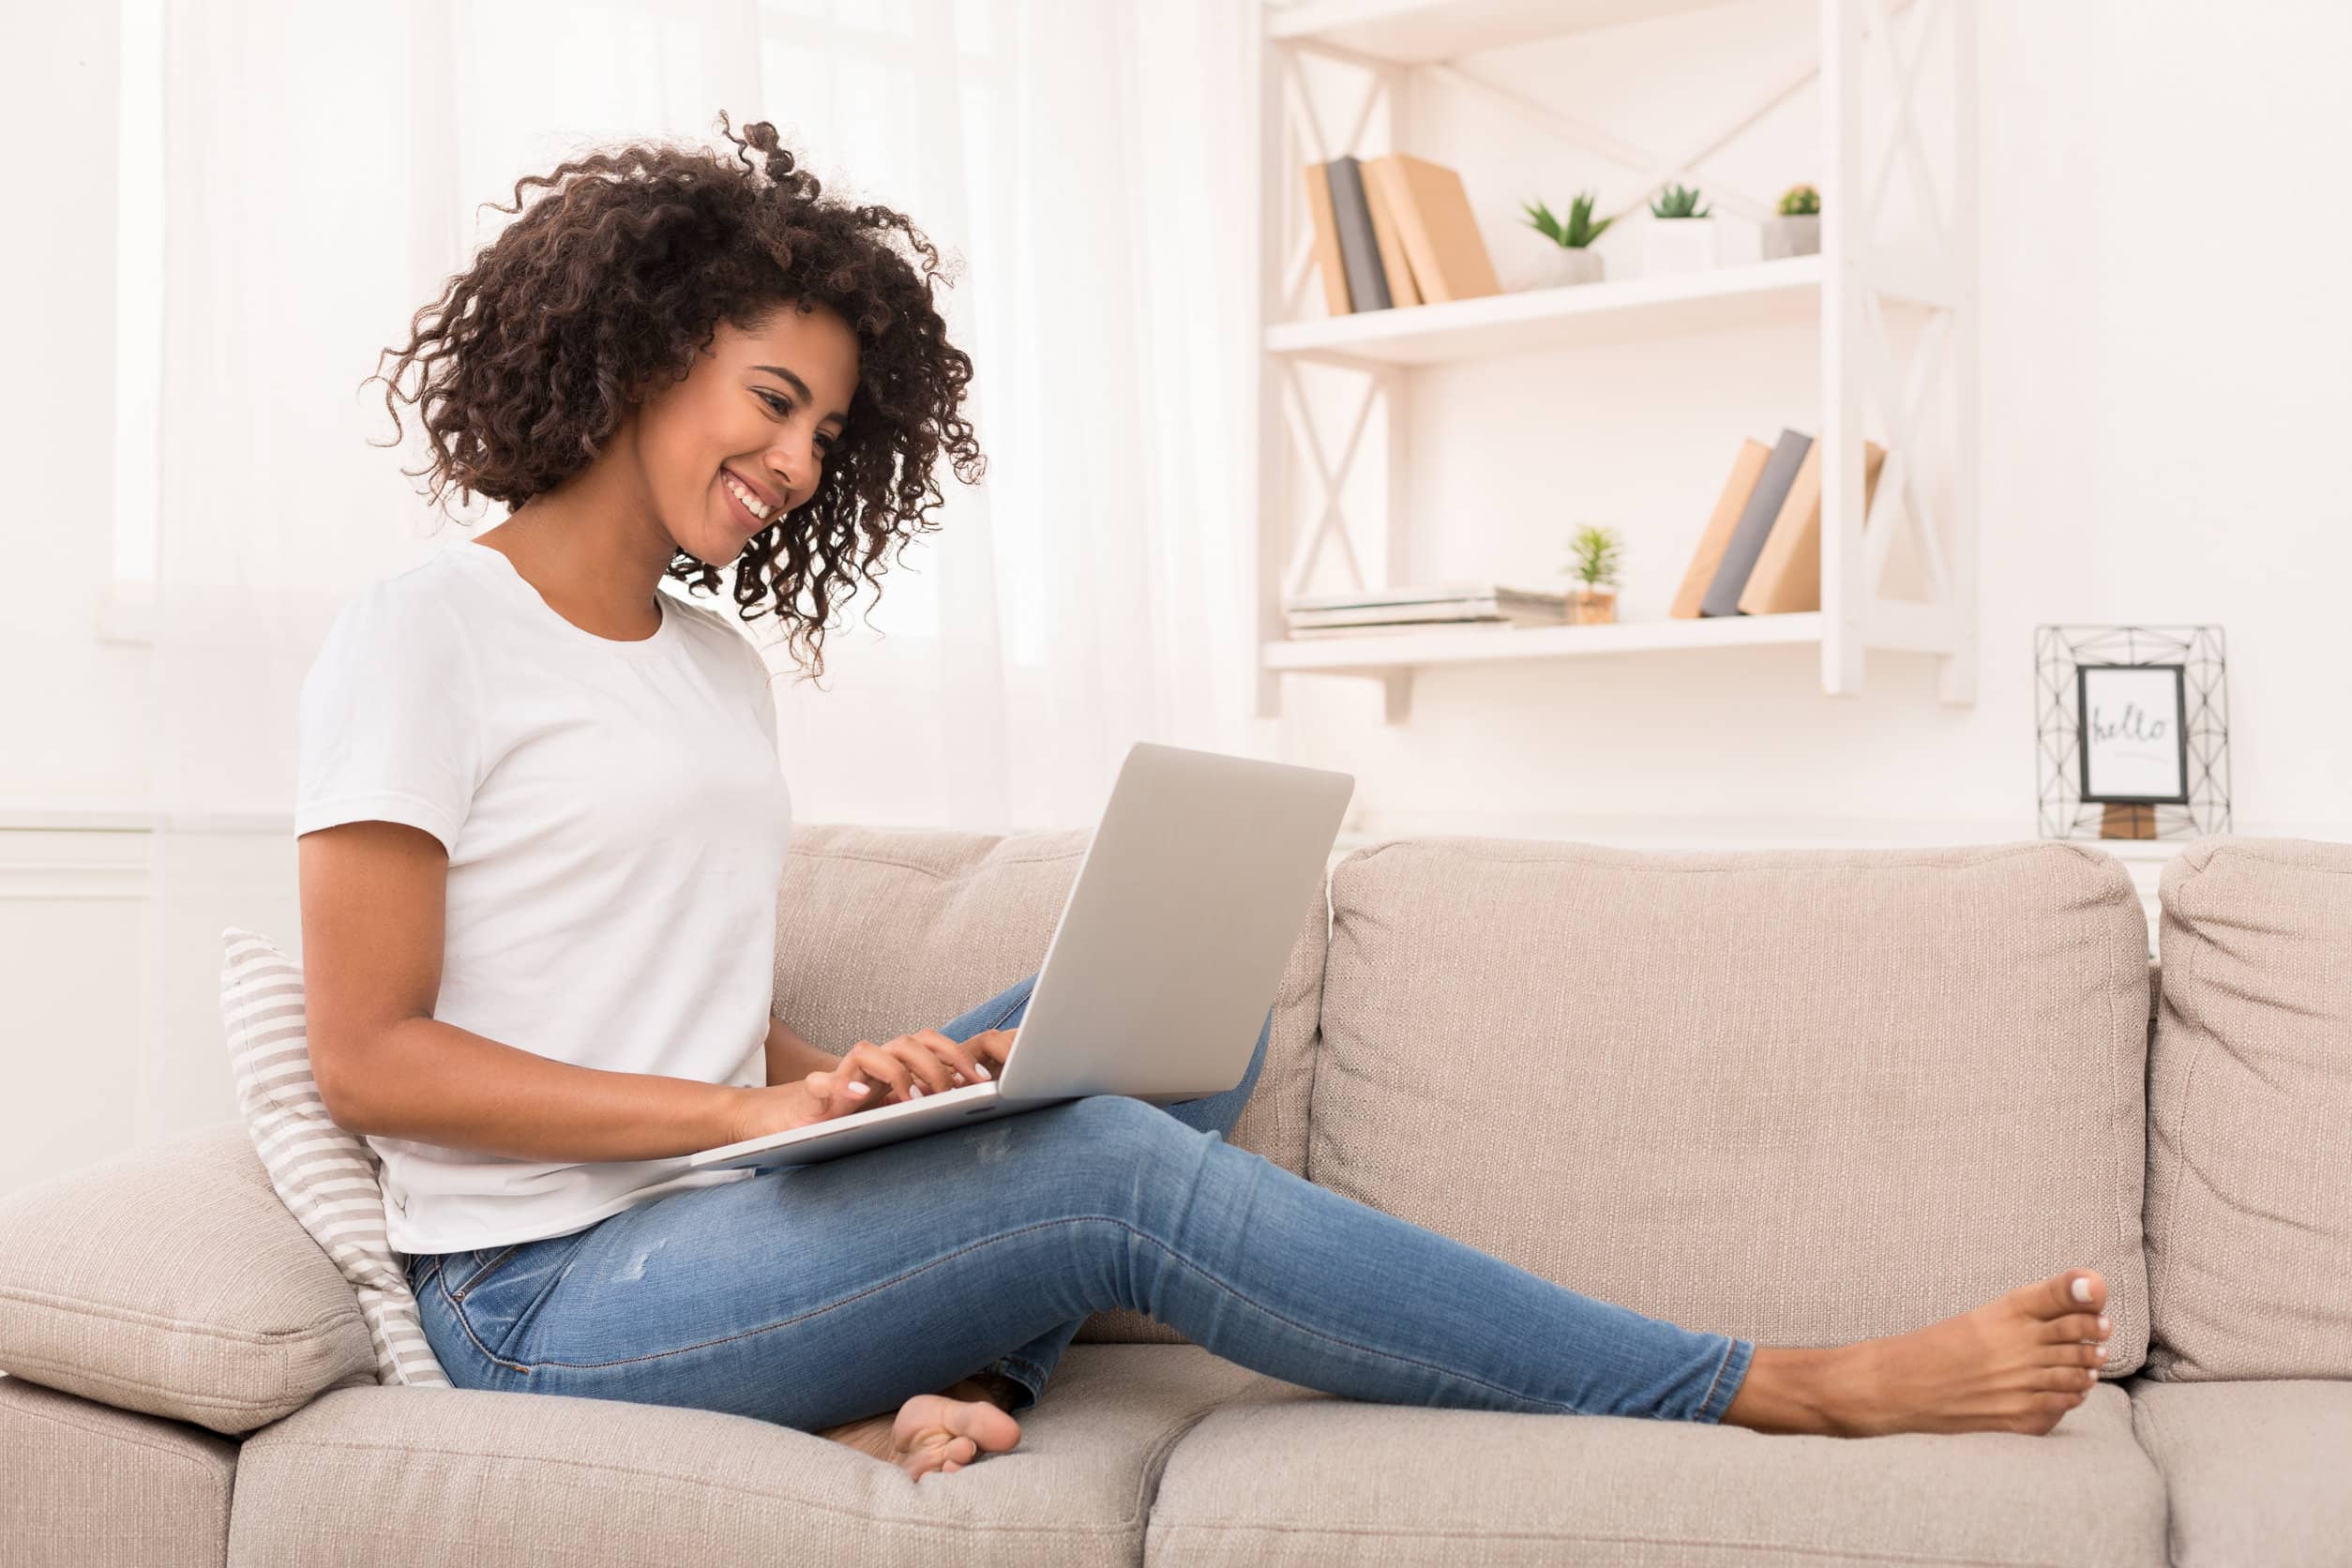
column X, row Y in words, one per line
column 1787, row 574
column 1745, row 470
column 1448, row 257
column 1326, row 257
column 1367, row 285
column 1756, row 523
column 1386, row 236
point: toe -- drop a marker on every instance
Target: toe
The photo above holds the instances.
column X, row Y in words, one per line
column 984, row 1427
column 2074, row 1292
column 2074, row 1326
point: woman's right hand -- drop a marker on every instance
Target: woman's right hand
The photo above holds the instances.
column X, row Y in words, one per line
column 869, row 1075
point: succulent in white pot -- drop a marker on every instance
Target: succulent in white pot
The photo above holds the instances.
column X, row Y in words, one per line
column 1570, row 257
column 1796, row 229
column 1681, row 233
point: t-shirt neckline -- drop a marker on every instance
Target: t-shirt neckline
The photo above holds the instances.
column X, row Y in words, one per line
column 643, row 647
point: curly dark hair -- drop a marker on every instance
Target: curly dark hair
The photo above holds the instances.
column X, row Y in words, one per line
column 618, row 277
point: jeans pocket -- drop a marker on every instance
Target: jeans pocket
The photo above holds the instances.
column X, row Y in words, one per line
column 463, row 1271
column 499, row 1300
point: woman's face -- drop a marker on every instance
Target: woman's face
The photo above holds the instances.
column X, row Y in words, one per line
column 765, row 408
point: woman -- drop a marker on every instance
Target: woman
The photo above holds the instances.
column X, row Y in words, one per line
column 541, row 824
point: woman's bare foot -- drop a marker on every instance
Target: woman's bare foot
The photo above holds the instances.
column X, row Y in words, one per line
column 2017, row 1364
column 944, row 1431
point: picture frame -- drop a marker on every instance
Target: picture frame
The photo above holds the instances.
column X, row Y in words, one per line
column 2105, row 769
column 2133, row 747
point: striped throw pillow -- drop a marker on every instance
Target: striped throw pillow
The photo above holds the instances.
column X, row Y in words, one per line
column 324, row 1174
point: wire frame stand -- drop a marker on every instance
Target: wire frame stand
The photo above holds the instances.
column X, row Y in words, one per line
column 2058, row 652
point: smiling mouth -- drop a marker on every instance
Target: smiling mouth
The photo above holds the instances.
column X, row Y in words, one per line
column 761, row 513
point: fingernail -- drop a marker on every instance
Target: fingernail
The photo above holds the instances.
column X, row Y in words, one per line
column 2081, row 1290
column 2103, row 1325
column 857, row 1088
column 980, row 1067
column 2101, row 1351
column 916, row 1092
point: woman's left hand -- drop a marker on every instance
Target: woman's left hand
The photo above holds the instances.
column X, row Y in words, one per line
column 936, row 1062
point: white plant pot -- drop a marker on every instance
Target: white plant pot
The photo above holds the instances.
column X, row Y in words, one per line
column 1792, row 236
column 1561, row 265
column 1678, row 245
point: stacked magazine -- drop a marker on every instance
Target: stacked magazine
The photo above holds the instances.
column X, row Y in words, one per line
column 1373, row 611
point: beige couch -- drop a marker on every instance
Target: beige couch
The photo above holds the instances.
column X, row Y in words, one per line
column 1800, row 1097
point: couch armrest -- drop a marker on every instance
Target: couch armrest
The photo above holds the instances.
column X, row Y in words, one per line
column 171, row 1280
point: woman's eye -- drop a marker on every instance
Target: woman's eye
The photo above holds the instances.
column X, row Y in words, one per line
column 783, row 406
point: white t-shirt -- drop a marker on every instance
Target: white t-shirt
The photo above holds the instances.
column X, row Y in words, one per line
column 617, row 817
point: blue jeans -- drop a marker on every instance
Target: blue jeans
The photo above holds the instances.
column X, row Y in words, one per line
column 812, row 1295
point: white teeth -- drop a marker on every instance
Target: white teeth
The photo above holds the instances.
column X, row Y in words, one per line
column 752, row 503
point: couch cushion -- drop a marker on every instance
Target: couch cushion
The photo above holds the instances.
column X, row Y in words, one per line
column 169, row 1279
column 2255, row 1472
column 1359, row 1483
column 2250, row 1113
column 86, row 1486
column 1802, row 1097
column 475, row 1476
column 882, row 931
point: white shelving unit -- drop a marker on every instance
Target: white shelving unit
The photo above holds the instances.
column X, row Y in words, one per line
column 1857, row 284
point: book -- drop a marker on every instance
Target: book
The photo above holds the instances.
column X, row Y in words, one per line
column 1745, row 469
column 1424, row 594
column 1462, row 610
column 1359, row 251
column 1756, row 523
column 1327, row 259
column 1394, row 265
column 1788, row 573
column 1442, row 245
column 1392, row 628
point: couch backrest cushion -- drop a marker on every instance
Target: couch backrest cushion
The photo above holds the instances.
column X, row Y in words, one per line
column 2250, row 1113
column 169, row 1279
column 882, row 932
column 1802, row 1097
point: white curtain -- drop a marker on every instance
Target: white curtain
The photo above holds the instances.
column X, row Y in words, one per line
column 1087, row 164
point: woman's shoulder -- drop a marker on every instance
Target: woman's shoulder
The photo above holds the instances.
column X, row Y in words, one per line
column 413, row 614
column 426, row 589
column 726, row 636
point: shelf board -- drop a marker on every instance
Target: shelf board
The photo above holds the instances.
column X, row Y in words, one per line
column 1465, row 645
column 1636, row 309
column 1421, row 32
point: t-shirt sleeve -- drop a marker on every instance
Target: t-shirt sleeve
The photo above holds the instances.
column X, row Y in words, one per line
column 390, row 727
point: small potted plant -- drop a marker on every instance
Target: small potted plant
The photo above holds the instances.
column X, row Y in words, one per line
column 1570, row 258
column 1797, row 232
column 1682, row 234
column 1594, row 566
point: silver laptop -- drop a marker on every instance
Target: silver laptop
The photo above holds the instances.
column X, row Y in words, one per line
column 1164, row 964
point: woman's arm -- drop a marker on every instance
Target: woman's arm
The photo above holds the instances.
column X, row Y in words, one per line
column 373, row 896
column 790, row 1057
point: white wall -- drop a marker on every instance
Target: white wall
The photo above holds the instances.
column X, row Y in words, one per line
column 2165, row 408
column 72, row 711
column 2164, row 401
